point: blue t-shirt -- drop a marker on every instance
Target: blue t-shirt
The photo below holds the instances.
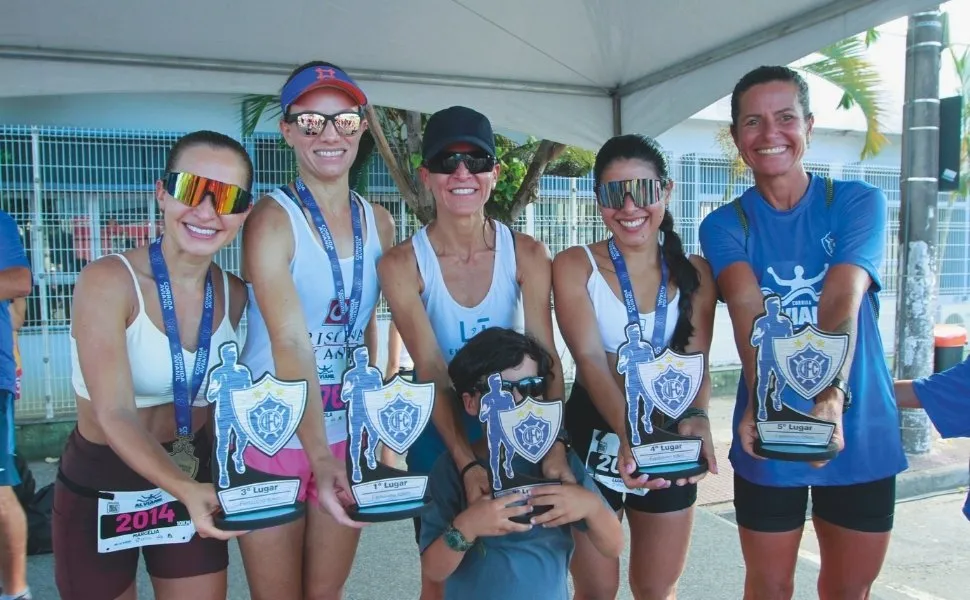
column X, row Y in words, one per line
column 790, row 252
column 531, row 564
column 946, row 399
column 11, row 255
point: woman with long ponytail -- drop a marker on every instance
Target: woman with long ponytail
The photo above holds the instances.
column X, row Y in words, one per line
column 640, row 268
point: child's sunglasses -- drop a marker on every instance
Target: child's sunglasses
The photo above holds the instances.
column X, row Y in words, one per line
column 191, row 190
column 644, row 192
column 447, row 162
column 531, row 387
column 347, row 123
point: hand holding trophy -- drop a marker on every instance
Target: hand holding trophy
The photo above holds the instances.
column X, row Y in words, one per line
column 526, row 430
column 805, row 361
column 394, row 413
column 263, row 415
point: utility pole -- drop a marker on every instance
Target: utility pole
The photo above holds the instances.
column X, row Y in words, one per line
column 916, row 298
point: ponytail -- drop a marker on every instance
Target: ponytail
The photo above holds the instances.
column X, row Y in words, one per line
column 684, row 274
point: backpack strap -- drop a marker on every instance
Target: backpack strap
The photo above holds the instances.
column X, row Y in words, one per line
column 743, row 218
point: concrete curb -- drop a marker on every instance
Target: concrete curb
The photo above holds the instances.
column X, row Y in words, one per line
column 909, row 485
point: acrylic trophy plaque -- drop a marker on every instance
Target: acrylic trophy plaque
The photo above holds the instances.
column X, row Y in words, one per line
column 805, row 361
column 668, row 383
column 262, row 416
column 395, row 413
column 527, row 429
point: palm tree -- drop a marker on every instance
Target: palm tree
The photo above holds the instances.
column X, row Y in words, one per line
column 843, row 64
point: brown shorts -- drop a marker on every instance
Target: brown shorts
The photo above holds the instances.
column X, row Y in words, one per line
column 79, row 570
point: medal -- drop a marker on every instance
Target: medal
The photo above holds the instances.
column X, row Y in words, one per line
column 183, row 454
column 183, row 451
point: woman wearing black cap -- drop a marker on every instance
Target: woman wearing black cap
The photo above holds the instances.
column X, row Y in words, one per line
column 463, row 273
column 309, row 255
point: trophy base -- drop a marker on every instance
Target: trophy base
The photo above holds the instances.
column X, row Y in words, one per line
column 524, row 488
column 675, row 471
column 260, row 519
column 796, row 452
column 382, row 513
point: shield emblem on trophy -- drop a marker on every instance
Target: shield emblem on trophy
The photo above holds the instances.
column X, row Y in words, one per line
column 672, row 381
column 269, row 412
column 399, row 411
column 810, row 359
column 531, row 427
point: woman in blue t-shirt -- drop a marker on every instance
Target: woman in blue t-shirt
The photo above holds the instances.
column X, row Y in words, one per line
column 818, row 244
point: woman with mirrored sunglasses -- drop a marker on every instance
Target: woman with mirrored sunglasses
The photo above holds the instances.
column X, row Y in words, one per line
column 457, row 276
column 134, row 478
column 310, row 251
column 817, row 245
column 640, row 275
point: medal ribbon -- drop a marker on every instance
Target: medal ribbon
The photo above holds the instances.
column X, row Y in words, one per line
column 180, row 384
column 348, row 316
column 626, row 287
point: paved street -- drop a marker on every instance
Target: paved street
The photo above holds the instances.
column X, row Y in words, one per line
column 927, row 556
column 927, row 560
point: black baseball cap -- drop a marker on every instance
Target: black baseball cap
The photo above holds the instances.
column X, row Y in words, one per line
column 454, row 125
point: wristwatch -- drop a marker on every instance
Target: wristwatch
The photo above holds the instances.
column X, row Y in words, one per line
column 456, row 541
column 840, row 384
column 563, row 437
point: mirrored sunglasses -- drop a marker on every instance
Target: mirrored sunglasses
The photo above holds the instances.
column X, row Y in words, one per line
column 191, row 190
column 447, row 162
column 644, row 192
column 531, row 387
column 346, row 123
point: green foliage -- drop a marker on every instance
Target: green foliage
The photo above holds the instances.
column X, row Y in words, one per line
column 513, row 171
column 573, row 162
column 844, row 64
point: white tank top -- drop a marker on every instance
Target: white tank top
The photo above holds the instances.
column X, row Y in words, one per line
column 150, row 357
column 454, row 324
column 611, row 312
column 313, row 279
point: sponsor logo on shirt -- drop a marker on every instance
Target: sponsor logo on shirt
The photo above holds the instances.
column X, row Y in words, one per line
column 800, row 301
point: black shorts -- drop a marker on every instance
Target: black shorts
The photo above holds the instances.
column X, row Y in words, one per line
column 80, row 571
column 582, row 421
column 866, row 507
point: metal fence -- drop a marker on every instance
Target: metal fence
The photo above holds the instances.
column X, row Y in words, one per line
column 80, row 194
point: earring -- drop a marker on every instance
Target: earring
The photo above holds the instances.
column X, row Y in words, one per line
column 660, row 236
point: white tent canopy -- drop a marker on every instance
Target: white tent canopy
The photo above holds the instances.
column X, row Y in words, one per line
column 575, row 71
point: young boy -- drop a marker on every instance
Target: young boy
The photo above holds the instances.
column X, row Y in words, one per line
column 945, row 397
column 476, row 550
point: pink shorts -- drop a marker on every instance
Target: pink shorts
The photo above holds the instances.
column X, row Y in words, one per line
column 292, row 462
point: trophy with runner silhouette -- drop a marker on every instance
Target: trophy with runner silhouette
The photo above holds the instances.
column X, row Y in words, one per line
column 669, row 383
column 527, row 430
column 262, row 415
column 395, row 413
column 805, row 361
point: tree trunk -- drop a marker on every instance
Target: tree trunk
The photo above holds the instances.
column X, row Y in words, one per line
column 423, row 207
column 402, row 178
column 529, row 190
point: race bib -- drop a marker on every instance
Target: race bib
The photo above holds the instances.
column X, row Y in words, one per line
column 334, row 414
column 601, row 462
column 136, row 519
